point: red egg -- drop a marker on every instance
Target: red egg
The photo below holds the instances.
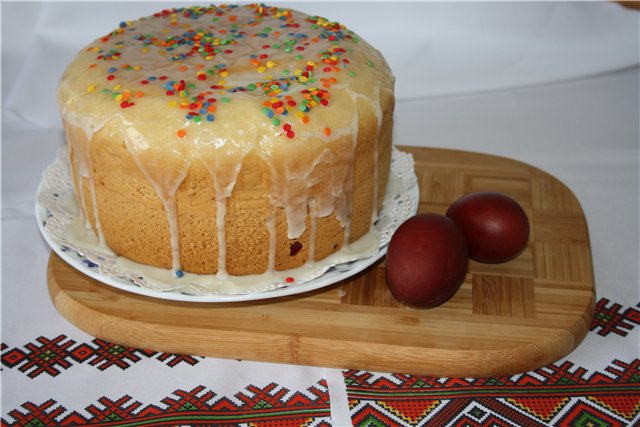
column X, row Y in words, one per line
column 426, row 260
column 495, row 226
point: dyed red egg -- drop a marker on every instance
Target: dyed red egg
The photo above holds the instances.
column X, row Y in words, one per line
column 495, row 225
column 426, row 260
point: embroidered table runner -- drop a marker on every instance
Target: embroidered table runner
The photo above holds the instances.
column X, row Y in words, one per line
column 577, row 120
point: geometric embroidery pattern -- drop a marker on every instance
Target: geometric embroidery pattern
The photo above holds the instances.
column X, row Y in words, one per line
column 52, row 356
column 555, row 395
column 270, row 406
column 610, row 319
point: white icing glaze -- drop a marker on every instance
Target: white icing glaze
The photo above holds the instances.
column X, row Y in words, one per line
column 343, row 205
column 376, row 148
column 81, row 160
column 223, row 184
column 89, row 125
column 165, row 182
column 313, row 230
column 271, row 229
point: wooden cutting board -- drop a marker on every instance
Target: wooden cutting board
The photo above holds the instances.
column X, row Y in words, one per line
column 506, row 318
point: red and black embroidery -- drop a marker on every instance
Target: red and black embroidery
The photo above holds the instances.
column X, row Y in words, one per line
column 52, row 356
column 269, row 406
column 612, row 319
column 556, row 395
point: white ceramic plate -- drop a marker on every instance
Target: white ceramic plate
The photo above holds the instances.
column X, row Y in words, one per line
column 400, row 203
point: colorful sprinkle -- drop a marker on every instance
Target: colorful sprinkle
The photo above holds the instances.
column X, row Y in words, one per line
column 287, row 95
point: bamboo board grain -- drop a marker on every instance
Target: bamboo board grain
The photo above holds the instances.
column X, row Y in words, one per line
column 506, row 318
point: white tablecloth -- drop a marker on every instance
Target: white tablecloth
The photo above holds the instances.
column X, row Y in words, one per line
column 555, row 85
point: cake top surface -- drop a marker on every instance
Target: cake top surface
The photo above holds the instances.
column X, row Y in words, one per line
column 222, row 75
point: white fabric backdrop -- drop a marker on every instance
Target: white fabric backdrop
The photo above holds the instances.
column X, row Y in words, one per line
column 555, row 85
column 434, row 48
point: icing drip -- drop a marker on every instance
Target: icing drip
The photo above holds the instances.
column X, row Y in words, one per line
column 170, row 208
column 81, row 158
column 165, row 177
column 271, row 229
column 74, row 158
column 343, row 207
column 291, row 194
column 96, row 214
column 376, row 153
column 224, row 180
column 223, row 161
column 292, row 187
column 88, row 124
column 221, row 211
column 313, row 230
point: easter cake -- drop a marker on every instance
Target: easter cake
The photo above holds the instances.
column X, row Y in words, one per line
column 230, row 139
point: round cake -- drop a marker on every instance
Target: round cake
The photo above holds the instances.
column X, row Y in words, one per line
column 231, row 139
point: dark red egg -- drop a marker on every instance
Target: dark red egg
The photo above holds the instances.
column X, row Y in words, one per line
column 495, row 225
column 426, row 261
